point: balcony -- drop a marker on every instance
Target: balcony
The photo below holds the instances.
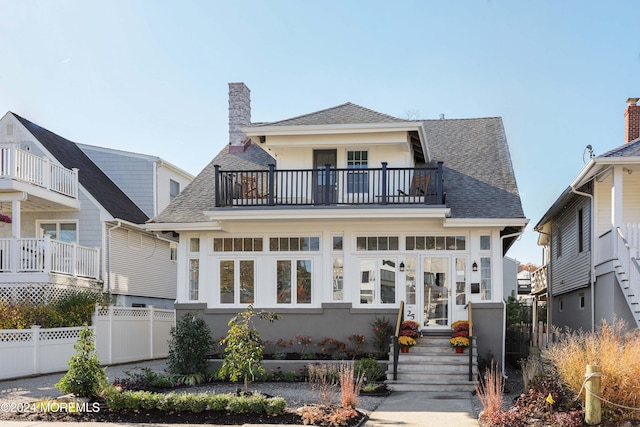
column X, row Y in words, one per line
column 539, row 281
column 329, row 186
column 28, row 255
column 23, row 166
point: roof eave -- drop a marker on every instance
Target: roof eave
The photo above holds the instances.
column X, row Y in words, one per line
column 255, row 132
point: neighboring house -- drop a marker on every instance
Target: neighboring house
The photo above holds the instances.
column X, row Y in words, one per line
column 509, row 277
column 72, row 226
column 591, row 239
column 334, row 217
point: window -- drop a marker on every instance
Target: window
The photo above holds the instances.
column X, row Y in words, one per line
column 357, row 182
column 337, row 243
column 421, row 243
column 338, row 279
column 237, row 281
column 62, row 231
column 289, row 272
column 580, row 230
column 461, row 281
column 237, row 244
column 194, row 279
column 560, row 305
column 173, row 248
column 485, row 243
column 485, row 278
column 174, row 189
column 377, row 243
column 194, row 245
column 410, row 280
column 378, row 288
column 294, row 244
column 559, row 243
column 582, row 301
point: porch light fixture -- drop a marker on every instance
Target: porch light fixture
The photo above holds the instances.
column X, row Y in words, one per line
column 401, row 266
column 474, row 267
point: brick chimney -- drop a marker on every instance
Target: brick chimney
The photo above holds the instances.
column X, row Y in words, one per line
column 239, row 116
column 632, row 120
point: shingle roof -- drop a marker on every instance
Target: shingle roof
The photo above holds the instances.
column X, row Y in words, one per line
column 343, row 114
column 631, row 149
column 477, row 170
column 199, row 195
column 90, row 176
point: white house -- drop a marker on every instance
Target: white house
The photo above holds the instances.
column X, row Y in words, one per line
column 73, row 226
column 591, row 239
column 334, row 217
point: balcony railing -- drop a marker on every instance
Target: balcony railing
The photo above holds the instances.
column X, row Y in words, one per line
column 539, row 280
column 24, row 166
column 28, row 255
column 328, row 186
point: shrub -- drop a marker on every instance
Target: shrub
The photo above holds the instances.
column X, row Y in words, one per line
column 382, row 331
column 243, row 354
column 491, row 391
column 616, row 350
column 189, row 346
column 85, row 377
column 370, row 369
column 145, row 379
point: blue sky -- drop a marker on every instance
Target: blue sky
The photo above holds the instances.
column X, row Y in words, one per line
column 151, row 76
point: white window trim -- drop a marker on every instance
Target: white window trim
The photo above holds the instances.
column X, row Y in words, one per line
column 58, row 222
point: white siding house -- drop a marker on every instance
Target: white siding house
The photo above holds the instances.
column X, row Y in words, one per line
column 67, row 216
column 334, row 217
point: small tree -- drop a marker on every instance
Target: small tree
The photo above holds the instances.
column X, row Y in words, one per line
column 189, row 345
column 85, row 377
column 243, row 354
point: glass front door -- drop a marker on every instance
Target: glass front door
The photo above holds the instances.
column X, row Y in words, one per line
column 435, row 292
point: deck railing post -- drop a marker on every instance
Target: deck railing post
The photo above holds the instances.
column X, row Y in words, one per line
column 272, row 181
column 325, row 181
column 384, row 183
column 216, row 184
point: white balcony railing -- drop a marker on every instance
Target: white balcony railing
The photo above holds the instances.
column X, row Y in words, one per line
column 539, row 280
column 24, row 166
column 28, row 255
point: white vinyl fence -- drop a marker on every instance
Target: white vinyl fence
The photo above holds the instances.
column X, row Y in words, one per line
column 123, row 334
column 129, row 334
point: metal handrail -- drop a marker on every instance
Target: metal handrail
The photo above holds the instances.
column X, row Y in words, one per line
column 394, row 339
column 470, row 318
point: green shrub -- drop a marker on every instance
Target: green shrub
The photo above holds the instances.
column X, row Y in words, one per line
column 218, row 402
column 85, row 377
column 189, row 346
column 370, row 368
column 243, row 354
column 77, row 307
column 275, row 405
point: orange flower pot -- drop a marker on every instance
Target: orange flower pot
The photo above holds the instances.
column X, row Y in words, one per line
column 404, row 349
column 459, row 349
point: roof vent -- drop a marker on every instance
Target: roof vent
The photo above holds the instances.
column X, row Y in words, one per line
column 441, row 116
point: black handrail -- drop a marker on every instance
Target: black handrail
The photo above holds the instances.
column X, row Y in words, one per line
column 394, row 339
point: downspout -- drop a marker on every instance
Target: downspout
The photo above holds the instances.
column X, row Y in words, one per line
column 108, row 272
column 592, row 249
column 504, row 305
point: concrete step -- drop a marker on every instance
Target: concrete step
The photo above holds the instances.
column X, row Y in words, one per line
column 441, row 387
column 439, row 367
column 431, row 377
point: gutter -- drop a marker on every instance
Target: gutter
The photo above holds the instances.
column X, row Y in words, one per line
column 592, row 250
column 109, row 255
column 504, row 305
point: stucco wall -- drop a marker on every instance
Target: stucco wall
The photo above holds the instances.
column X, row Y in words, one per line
column 488, row 328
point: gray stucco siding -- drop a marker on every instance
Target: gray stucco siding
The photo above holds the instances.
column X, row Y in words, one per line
column 488, row 328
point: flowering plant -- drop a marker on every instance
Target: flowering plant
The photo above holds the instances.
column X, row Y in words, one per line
column 459, row 341
column 409, row 328
column 382, row 331
column 460, row 325
column 406, row 341
column 5, row 218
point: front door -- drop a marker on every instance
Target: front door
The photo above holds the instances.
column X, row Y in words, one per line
column 435, row 292
column 324, row 182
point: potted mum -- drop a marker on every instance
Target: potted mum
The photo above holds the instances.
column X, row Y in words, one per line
column 405, row 343
column 409, row 328
column 460, row 338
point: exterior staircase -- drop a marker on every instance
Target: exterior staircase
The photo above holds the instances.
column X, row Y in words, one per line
column 433, row 365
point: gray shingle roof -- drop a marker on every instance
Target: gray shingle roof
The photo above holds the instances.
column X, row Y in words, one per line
column 478, row 174
column 477, row 170
column 631, row 149
column 343, row 114
column 91, row 177
column 199, row 195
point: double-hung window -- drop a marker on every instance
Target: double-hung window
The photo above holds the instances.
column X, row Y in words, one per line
column 357, row 182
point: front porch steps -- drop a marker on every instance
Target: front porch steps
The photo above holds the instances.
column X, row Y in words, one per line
column 433, row 365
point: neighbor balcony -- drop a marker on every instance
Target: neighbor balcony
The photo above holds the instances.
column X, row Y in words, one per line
column 19, row 167
column 328, row 186
column 46, row 255
column 539, row 281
